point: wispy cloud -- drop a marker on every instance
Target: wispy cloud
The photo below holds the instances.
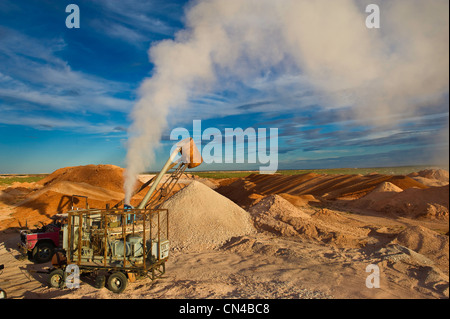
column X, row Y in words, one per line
column 400, row 155
column 34, row 81
column 135, row 22
column 64, row 122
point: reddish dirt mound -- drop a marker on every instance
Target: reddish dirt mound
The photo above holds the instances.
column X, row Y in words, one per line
column 12, row 195
column 430, row 203
column 300, row 200
column 326, row 186
column 437, row 174
column 240, row 191
column 102, row 184
column 56, row 197
column 42, row 207
column 431, row 177
column 105, row 176
column 376, row 199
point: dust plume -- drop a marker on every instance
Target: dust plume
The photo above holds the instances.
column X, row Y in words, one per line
column 379, row 72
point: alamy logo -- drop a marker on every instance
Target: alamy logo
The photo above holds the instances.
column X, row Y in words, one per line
column 73, row 19
column 72, row 276
column 373, row 280
column 373, row 19
column 236, row 145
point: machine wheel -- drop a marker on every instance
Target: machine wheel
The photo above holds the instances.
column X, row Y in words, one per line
column 43, row 252
column 57, row 278
column 100, row 281
column 117, row 282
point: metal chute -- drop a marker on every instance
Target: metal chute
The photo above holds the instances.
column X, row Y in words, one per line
column 190, row 158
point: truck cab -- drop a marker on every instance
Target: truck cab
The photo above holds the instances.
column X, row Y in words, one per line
column 40, row 243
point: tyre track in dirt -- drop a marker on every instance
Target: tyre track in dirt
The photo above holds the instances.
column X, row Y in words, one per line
column 18, row 278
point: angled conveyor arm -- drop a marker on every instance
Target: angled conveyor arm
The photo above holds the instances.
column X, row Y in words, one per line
column 160, row 195
column 190, row 158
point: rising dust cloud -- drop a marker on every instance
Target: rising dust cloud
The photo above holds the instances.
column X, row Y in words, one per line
column 381, row 73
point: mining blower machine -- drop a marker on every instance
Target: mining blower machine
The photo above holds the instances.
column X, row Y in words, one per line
column 115, row 244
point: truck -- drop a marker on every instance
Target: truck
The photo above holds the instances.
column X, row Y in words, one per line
column 116, row 245
column 121, row 243
column 40, row 243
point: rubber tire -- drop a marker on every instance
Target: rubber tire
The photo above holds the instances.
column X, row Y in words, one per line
column 57, row 278
column 117, row 282
column 100, row 281
column 42, row 247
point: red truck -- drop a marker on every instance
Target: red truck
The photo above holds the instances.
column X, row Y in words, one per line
column 40, row 243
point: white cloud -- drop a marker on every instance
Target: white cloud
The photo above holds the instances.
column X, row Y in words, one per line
column 12, row 116
column 31, row 72
column 133, row 21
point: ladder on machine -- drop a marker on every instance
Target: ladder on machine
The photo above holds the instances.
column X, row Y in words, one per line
column 162, row 193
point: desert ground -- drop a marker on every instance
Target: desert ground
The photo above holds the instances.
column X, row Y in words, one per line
column 259, row 236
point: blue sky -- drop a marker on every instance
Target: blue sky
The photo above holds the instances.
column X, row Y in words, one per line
column 66, row 96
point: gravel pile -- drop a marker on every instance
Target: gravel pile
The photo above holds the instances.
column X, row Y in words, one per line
column 200, row 218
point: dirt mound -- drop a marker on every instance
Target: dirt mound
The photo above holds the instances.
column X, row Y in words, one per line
column 277, row 207
column 84, row 189
column 426, row 242
column 438, row 174
column 28, row 185
column 276, row 215
column 376, row 199
column 405, row 182
column 201, row 218
column 300, row 200
column 102, row 184
column 40, row 205
column 387, row 187
column 240, row 191
column 328, row 215
column 318, row 185
column 12, row 195
column 431, row 177
column 105, row 176
column 430, row 203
